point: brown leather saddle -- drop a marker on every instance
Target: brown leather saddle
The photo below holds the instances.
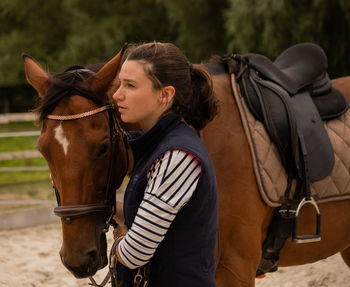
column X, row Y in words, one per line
column 292, row 96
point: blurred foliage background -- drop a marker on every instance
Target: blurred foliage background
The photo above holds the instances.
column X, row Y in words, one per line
column 62, row 32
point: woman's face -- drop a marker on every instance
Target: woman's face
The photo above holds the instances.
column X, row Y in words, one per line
column 137, row 100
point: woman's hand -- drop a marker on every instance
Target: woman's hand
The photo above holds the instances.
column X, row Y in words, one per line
column 120, row 231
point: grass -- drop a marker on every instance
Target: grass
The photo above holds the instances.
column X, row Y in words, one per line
column 18, row 127
column 18, row 143
column 39, row 161
column 19, row 176
column 38, row 191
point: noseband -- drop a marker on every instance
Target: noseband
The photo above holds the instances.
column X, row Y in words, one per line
column 69, row 212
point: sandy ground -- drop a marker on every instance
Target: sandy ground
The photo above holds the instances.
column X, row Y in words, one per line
column 29, row 257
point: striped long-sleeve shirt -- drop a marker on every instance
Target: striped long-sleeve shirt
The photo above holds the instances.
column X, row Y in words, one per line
column 172, row 179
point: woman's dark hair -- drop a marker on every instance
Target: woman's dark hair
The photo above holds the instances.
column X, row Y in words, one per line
column 166, row 65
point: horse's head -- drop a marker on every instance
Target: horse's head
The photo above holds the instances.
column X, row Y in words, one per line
column 86, row 153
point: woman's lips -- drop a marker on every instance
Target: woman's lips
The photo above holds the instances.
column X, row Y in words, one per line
column 120, row 108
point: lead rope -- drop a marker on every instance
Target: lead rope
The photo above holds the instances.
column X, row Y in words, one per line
column 112, row 272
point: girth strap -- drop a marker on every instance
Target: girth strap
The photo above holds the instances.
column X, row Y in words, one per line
column 280, row 230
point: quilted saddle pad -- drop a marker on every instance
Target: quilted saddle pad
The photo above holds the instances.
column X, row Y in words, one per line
column 269, row 171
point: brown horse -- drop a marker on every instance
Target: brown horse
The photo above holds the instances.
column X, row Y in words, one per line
column 78, row 151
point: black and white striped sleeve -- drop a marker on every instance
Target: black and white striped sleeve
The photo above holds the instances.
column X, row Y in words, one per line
column 172, row 179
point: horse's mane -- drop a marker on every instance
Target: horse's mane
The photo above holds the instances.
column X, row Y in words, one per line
column 216, row 65
column 64, row 84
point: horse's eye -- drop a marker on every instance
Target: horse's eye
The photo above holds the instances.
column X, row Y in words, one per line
column 103, row 149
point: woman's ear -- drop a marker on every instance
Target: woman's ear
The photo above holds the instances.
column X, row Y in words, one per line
column 167, row 94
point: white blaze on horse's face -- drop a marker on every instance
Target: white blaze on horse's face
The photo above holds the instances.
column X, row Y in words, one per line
column 60, row 137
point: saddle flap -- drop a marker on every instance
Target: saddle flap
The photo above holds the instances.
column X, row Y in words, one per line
column 285, row 118
column 320, row 154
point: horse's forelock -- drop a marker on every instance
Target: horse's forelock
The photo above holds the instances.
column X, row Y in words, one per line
column 62, row 86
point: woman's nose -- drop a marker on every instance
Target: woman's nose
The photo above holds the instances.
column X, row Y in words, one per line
column 118, row 96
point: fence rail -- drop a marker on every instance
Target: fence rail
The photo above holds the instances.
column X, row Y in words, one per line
column 20, row 134
column 23, row 168
column 24, row 182
column 17, row 117
column 19, row 154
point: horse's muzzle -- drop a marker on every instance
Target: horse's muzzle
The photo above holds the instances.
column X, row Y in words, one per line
column 89, row 264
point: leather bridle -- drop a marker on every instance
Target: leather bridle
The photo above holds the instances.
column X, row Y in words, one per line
column 70, row 212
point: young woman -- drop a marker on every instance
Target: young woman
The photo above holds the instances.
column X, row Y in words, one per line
column 170, row 204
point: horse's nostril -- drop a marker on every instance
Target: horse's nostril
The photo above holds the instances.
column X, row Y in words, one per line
column 92, row 255
column 87, row 266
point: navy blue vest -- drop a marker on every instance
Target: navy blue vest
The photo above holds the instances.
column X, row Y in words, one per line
column 185, row 258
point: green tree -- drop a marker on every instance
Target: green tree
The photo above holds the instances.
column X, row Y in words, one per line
column 62, row 32
column 100, row 28
column 31, row 27
column 268, row 27
column 199, row 25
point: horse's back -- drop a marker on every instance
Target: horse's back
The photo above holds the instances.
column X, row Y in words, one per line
column 343, row 85
column 243, row 216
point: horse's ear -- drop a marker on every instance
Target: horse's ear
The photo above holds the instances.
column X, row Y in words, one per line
column 35, row 74
column 105, row 80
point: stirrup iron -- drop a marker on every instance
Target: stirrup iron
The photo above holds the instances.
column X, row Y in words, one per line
column 307, row 237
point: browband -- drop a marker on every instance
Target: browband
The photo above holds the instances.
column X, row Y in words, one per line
column 81, row 115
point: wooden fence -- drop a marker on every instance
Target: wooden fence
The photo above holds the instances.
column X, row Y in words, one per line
column 19, row 117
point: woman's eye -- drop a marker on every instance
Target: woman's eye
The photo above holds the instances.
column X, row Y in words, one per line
column 130, row 85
